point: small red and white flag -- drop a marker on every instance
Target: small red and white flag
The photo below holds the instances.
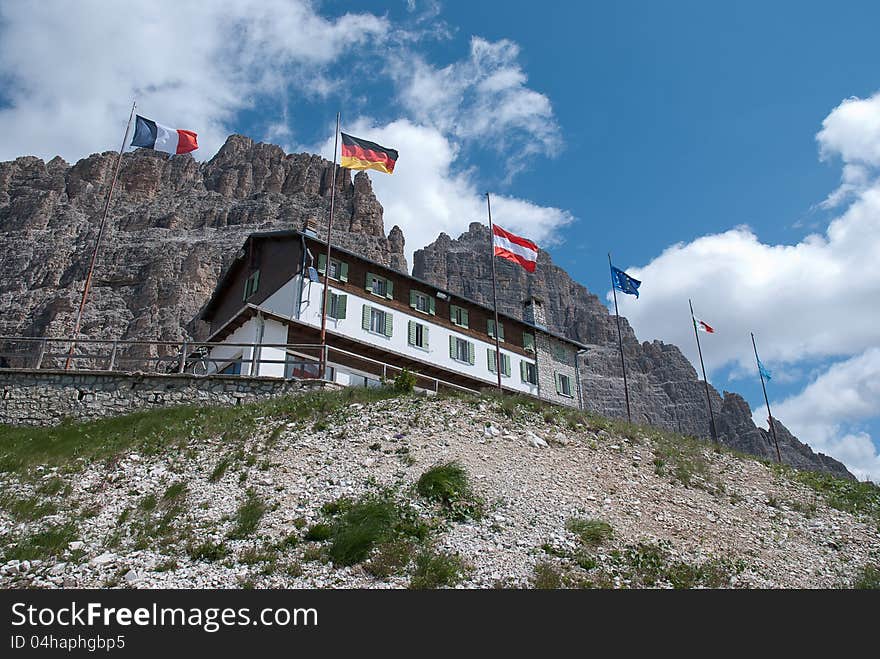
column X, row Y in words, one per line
column 514, row 248
column 703, row 326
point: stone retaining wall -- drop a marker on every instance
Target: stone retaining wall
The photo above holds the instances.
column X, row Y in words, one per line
column 46, row 397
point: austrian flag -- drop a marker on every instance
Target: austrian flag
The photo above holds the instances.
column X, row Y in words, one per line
column 513, row 248
column 703, row 326
column 150, row 135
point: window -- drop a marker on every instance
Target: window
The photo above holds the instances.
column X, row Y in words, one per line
column 421, row 302
column 563, row 385
column 490, row 328
column 458, row 316
column 380, row 286
column 418, row 335
column 529, row 341
column 560, row 354
column 377, row 321
column 336, row 305
column 528, row 372
column 461, row 350
column 505, row 362
column 252, row 284
column 338, row 269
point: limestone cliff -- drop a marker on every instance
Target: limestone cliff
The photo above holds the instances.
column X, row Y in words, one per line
column 663, row 385
column 174, row 224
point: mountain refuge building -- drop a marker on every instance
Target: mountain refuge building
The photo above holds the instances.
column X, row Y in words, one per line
column 265, row 320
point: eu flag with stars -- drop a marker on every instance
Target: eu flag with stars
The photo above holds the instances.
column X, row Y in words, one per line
column 624, row 283
column 763, row 370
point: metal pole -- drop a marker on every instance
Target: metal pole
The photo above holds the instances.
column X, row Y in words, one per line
column 620, row 341
column 323, row 364
column 88, row 283
column 495, row 295
column 705, row 379
column 766, row 400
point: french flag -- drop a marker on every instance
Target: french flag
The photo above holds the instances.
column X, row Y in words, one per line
column 150, row 135
column 513, row 248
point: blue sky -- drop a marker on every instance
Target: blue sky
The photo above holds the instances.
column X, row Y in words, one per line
column 725, row 152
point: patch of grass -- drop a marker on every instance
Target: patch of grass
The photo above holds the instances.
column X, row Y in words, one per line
column 148, row 502
column 390, row 558
column 174, row 491
column 647, row 565
column 49, row 542
column 220, row 469
column 436, row 570
column 857, row 498
column 546, row 576
column 360, row 528
column 319, row 533
column 254, row 555
column 248, row 516
column 592, row 532
column 72, row 444
column 166, row 566
column 27, row 509
column 448, row 485
column 867, row 578
column 52, row 486
column 681, row 457
column 208, row 551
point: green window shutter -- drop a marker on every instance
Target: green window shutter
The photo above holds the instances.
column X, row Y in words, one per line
column 453, row 313
column 558, row 384
column 389, row 289
column 412, row 298
column 431, row 306
column 412, row 333
column 464, row 318
column 491, row 359
column 470, row 353
column 425, row 337
column 369, row 283
column 256, row 282
column 365, row 317
column 388, row 324
column 343, row 271
column 329, row 305
column 500, row 331
column 529, row 341
column 490, row 327
column 341, row 304
column 452, row 346
column 505, row 365
column 322, row 263
column 523, row 372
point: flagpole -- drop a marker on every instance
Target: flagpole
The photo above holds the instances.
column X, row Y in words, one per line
column 620, row 340
column 88, row 283
column 494, row 294
column 705, row 379
column 323, row 366
column 766, row 400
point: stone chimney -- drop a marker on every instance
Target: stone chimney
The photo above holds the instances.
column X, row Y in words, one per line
column 533, row 311
column 310, row 226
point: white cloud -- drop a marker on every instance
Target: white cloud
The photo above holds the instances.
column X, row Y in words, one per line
column 72, row 75
column 483, row 98
column 816, row 299
column 827, row 412
column 425, row 195
column 852, row 132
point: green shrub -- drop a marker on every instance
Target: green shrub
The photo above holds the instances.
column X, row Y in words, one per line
column 546, row 576
column 360, row 528
column 405, row 382
column 220, row 469
column 42, row 545
column 208, row 551
column 592, row 532
column 390, row 558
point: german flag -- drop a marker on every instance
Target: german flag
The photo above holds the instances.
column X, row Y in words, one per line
column 361, row 154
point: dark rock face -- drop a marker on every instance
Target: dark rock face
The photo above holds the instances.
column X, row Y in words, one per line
column 664, row 389
column 173, row 226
